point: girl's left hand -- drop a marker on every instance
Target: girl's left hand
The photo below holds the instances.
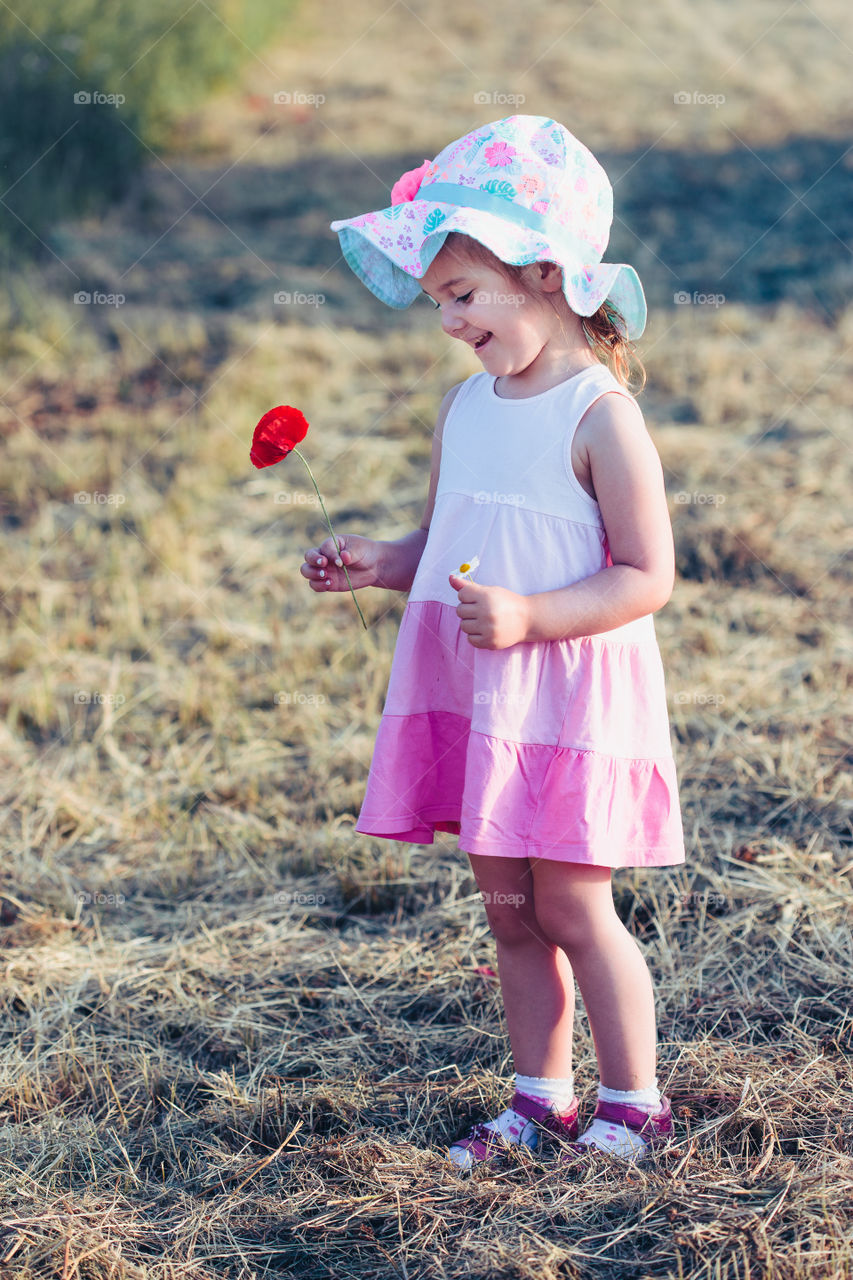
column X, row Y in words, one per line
column 491, row 617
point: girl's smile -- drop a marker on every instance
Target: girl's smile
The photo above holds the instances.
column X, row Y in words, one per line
column 462, row 315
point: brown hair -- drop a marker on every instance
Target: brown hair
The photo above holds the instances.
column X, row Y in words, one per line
column 604, row 329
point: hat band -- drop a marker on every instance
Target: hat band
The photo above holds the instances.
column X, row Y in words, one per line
column 476, row 198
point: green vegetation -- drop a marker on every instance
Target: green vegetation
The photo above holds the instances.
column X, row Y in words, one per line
column 86, row 87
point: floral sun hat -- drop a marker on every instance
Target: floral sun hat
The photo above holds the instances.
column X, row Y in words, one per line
column 524, row 187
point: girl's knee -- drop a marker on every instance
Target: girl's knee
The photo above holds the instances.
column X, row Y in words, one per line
column 513, row 924
column 574, row 903
column 573, row 927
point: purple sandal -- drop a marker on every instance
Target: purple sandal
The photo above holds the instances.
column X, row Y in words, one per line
column 655, row 1129
column 486, row 1144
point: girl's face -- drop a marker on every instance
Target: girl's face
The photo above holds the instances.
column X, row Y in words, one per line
column 507, row 327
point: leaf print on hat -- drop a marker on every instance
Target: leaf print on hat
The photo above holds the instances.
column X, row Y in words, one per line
column 434, row 220
column 476, row 143
column 503, row 189
column 549, row 144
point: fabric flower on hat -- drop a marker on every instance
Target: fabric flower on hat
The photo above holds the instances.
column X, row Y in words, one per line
column 407, row 185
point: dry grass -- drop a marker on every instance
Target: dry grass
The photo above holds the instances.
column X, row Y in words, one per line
column 236, row 1037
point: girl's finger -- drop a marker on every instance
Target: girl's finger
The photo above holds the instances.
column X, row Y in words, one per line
column 329, row 549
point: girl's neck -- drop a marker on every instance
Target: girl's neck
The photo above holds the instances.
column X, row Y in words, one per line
column 521, row 386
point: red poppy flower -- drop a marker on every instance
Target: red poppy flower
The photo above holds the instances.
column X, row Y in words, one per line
column 276, row 434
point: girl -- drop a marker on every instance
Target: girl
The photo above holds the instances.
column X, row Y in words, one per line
column 526, row 706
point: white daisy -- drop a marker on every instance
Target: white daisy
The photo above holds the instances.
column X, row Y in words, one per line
column 468, row 567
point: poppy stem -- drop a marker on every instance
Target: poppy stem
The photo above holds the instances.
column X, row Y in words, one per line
column 332, row 532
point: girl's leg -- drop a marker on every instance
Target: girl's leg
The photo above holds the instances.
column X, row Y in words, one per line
column 537, row 983
column 575, row 910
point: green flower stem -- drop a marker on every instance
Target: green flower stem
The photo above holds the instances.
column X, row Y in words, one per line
column 332, row 532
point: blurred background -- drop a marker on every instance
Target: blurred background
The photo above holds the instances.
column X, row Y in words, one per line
column 200, row 953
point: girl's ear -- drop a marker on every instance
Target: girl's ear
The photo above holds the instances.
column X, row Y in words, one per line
column 551, row 276
column 543, row 277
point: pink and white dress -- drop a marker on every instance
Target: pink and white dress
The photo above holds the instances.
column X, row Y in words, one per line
column 554, row 749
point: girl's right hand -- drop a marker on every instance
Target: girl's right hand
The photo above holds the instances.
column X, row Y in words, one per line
column 360, row 555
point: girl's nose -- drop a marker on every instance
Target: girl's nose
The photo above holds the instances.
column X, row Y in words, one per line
column 451, row 319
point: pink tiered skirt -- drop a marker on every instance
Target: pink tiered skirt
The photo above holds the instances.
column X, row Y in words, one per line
column 557, row 749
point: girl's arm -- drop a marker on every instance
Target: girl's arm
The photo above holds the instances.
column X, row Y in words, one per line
column 628, row 480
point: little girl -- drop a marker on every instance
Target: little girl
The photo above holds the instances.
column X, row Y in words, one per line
column 526, row 708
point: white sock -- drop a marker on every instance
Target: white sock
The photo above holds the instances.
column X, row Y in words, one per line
column 645, row 1098
column 616, row 1138
column 515, row 1128
column 547, row 1089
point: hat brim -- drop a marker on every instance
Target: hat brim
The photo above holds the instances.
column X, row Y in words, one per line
column 390, row 250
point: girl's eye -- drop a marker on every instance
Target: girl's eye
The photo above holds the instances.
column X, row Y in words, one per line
column 464, row 298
